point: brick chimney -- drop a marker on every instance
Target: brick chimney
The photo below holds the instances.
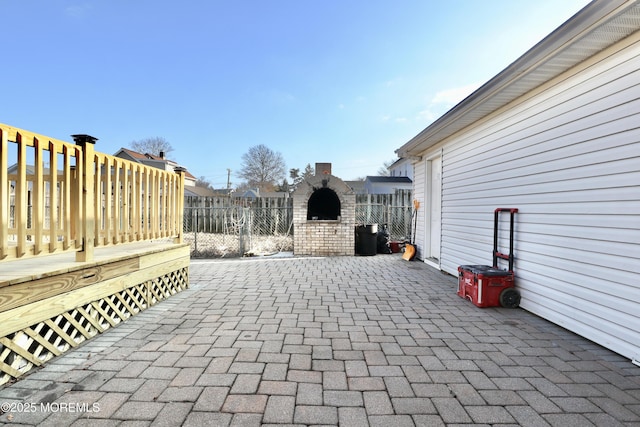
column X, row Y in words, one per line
column 323, row 168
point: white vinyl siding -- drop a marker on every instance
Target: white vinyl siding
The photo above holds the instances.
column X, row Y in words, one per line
column 568, row 158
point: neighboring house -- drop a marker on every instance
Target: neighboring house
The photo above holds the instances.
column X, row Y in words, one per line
column 12, row 171
column 386, row 184
column 357, row 187
column 252, row 193
column 160, row 162
column 255, row 193
column 402, row 167
column 198, row 191
column 556, row 135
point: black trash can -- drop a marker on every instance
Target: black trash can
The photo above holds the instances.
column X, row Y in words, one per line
column 366, row 239
column 382, row 240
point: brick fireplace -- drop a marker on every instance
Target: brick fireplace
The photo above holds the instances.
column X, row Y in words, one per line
column 324, row 215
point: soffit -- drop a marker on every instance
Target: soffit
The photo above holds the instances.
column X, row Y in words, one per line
column 593, row 29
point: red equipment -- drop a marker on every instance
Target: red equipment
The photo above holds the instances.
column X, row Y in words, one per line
column 489, row 286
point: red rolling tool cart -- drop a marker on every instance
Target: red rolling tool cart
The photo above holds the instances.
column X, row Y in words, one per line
column 490, row 286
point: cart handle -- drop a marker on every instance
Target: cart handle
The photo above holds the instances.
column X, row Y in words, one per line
column 496, row 254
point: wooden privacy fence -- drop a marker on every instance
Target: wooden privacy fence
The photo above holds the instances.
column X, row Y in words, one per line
column 220, row 214
column 57, row 196
column 232, row 226
column 395, row 210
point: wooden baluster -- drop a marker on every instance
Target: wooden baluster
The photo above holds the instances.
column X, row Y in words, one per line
column 38, row 197
column 21, row 198
column 53, row 197
column 4, row 193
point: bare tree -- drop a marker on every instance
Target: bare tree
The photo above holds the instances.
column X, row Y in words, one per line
column 384, row 169
column 262, row 167
column 308, row 172
column 155, row 146
column 204, row 182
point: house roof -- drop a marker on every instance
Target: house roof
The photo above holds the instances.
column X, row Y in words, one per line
column 195, row 190
column 356, row 186
column 594, row 28
column 31, row 169
column 188, row 175
column 254, row 193
column 161, row 159
column 147, row 158
column 133, row 154
column 389, row 179
column 397, row 162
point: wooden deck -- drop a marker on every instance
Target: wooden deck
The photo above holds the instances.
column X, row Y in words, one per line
column 29, row 269
column 51, row 304
column 87, row 240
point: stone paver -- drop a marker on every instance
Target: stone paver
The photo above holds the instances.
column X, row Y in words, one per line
column 350, row 341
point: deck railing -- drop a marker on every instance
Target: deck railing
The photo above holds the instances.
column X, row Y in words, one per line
column 58, row 196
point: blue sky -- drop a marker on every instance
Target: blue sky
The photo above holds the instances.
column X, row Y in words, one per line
column 340, row 81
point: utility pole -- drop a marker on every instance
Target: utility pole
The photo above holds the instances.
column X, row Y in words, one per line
column 228, row 178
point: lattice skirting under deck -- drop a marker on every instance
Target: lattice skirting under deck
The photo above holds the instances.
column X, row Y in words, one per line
column 31, row 347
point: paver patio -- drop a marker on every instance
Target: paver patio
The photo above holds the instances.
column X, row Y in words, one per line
column 349, row 341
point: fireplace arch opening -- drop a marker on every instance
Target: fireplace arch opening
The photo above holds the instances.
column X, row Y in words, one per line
column 324, row 204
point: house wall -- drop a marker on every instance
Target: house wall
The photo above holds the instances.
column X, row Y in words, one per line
column 568, row 157
column 385, row 187
column 402, row 167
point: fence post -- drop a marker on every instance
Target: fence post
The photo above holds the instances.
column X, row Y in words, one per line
column 85, row 170
column 179, row 206
column 194, row 229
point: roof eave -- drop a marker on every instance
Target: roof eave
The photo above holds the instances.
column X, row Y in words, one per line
column 571, row 32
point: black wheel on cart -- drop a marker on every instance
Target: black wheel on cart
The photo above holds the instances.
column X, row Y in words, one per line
column 510, row 298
